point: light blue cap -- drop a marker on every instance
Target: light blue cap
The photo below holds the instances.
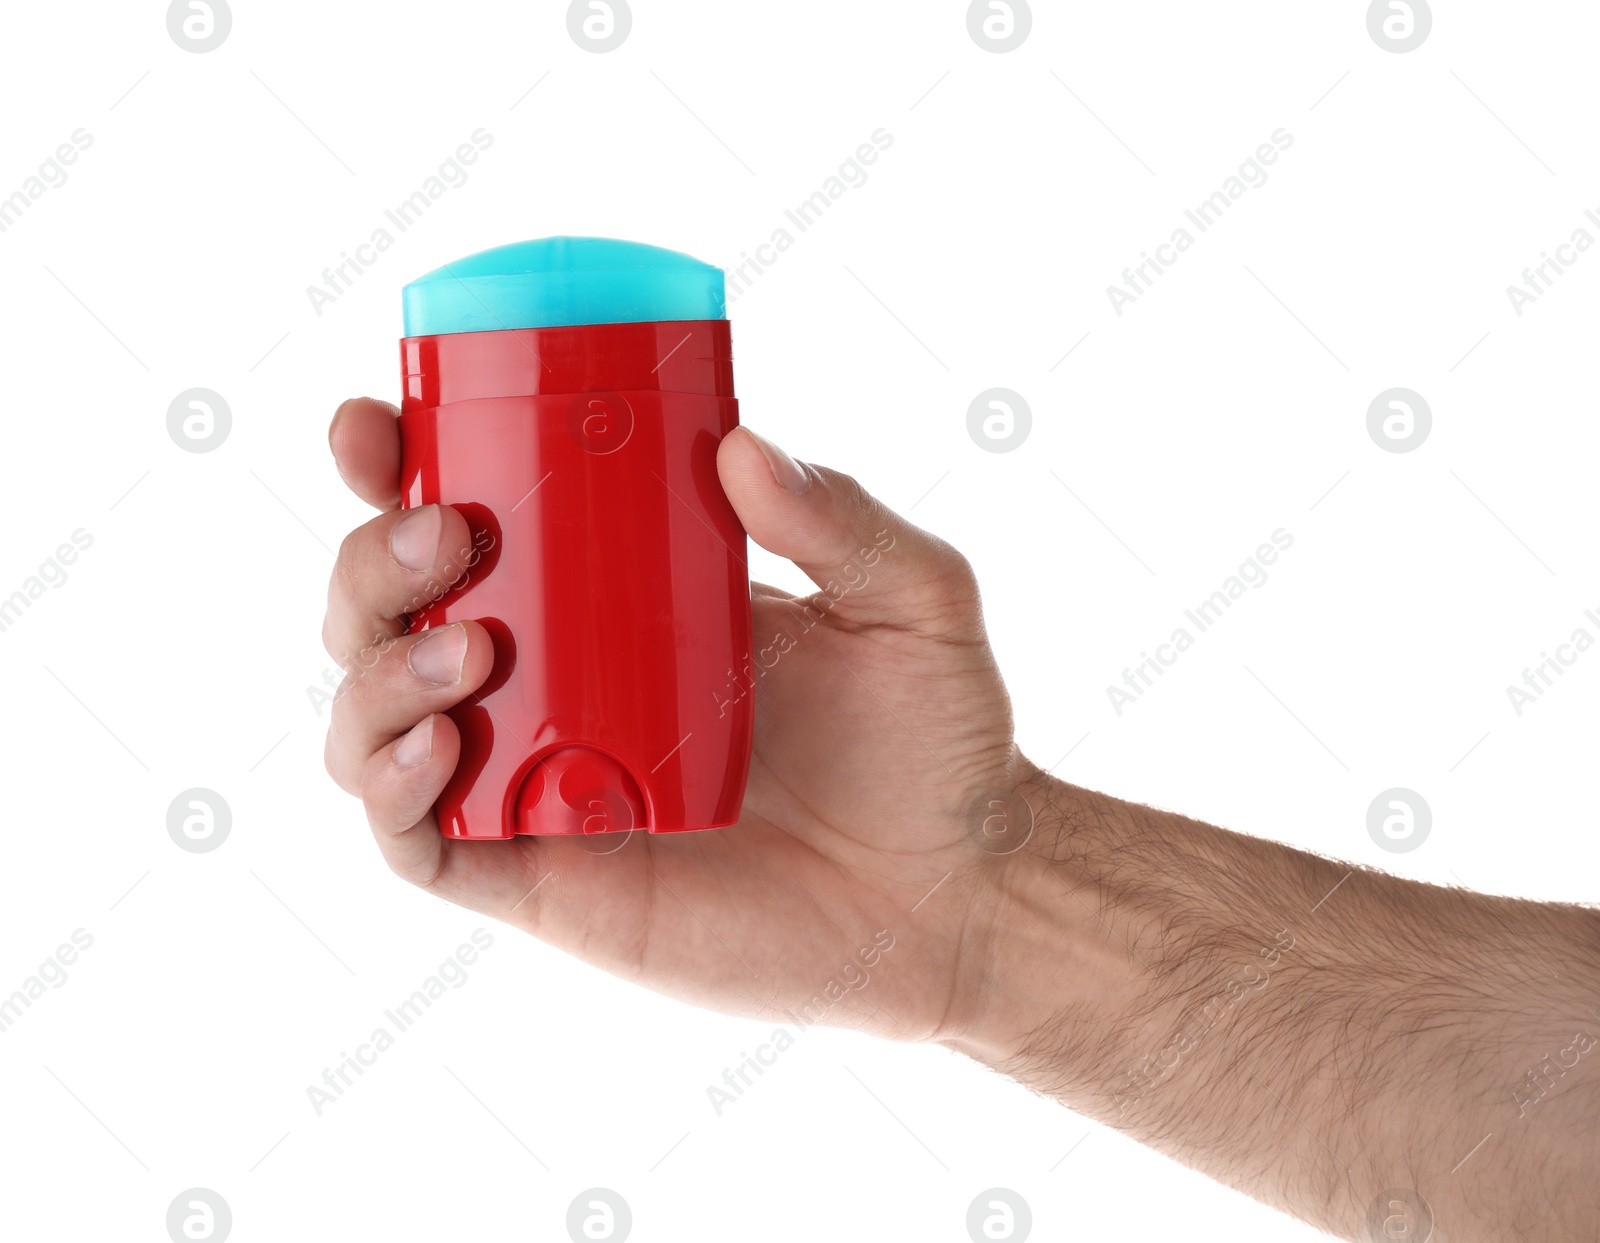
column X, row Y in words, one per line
column 554, row 281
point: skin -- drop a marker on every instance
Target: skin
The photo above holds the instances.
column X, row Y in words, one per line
column 1314, row 1035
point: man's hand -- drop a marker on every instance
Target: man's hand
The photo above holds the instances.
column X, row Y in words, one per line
column 874, row 729
column 1339, row 1043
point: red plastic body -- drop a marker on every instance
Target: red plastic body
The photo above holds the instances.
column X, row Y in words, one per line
column 607, row 566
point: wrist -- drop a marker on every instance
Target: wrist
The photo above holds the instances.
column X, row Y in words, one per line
column 1057, row 971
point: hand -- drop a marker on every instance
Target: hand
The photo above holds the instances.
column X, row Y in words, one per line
column 1306, row 1031
column 875, row 728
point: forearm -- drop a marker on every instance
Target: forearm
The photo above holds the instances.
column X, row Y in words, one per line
column 1309, row 1034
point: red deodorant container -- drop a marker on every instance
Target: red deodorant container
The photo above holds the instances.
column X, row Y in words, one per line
column 567, row 396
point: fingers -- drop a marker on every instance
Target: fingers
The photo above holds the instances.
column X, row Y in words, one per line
column 365, row 439
column 873, row 567
column 399, row 784
column 398, row 563
column 389, row 740
column 415, row 676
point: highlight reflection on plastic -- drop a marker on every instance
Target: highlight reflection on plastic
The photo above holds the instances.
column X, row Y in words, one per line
column 567, row 396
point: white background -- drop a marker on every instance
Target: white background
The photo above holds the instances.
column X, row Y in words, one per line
column 1224, row 404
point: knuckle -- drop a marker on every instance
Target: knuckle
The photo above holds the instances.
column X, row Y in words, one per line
column 333, row 760
column 363, row 684
column 860, row 504
column 361, row 717
column 374, row 657
column 328, row 643
column 344, row 583
column 347, row 701
column 960, row 571
column 859, row 515
column 351, row 548
column 955, row 579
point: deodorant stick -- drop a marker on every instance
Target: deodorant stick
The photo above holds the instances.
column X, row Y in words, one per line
column 567, row 396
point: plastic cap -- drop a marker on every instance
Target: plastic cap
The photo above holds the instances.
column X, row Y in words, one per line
column 556, row 281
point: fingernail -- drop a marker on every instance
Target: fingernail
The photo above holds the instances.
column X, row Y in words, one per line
column 438, row 656
column 417, row 746
column 414, row 542
column 789, row 474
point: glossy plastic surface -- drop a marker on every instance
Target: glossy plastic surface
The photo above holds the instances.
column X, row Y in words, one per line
column 608, row 567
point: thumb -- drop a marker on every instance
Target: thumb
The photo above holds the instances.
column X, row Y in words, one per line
column 874, row 566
